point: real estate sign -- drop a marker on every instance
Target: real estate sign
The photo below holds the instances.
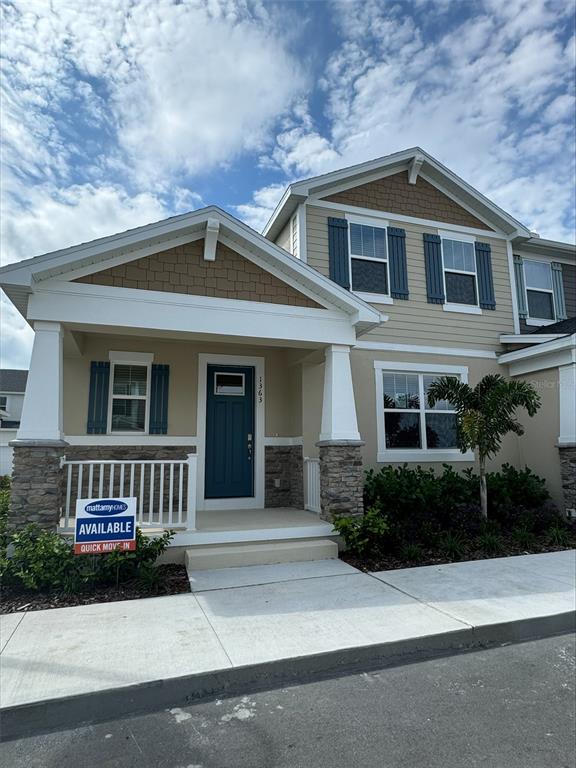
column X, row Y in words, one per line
column 103, row 525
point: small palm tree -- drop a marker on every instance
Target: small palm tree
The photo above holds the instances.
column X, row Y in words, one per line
column 485, row 414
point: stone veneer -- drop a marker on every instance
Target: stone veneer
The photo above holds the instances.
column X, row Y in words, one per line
column 341, row 479
column 568, row 476
column 286, row 464
column 37, row 486
column 38, row 482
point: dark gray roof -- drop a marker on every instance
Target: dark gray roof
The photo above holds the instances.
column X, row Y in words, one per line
column 12, row 380
column 562, row 326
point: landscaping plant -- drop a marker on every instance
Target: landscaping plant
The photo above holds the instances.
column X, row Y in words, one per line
column 485, row 414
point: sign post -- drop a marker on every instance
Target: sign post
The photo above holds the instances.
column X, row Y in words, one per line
column 103, row 525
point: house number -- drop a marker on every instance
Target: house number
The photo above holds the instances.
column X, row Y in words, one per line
column 260, row 390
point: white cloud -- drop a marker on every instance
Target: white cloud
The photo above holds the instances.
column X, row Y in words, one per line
column 257, row 212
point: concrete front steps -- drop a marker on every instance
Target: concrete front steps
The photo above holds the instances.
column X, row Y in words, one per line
column 212, row 556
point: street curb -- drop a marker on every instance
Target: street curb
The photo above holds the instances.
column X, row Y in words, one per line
column 85, row 709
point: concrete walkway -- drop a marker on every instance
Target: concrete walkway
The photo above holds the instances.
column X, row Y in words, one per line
column 251, row 623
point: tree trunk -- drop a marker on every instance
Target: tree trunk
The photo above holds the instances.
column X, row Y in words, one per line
column 483, row 490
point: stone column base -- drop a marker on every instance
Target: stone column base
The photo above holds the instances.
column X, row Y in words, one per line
column 37, row 483
column 568, row 477
column 284, row 476
column 341, row 478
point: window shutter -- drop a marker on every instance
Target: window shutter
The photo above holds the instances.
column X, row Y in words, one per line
column 558, row 288
column 434, row 276
column 486, row 296
column 338, row 252
column 98, row 398
column 159, row 400
column 520, row 288
column 397, row 259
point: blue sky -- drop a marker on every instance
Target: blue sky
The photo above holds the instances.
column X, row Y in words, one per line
column 116, row 113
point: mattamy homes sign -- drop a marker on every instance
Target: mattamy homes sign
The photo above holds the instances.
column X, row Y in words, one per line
column 103, row 525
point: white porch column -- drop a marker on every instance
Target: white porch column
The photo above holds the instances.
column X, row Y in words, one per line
column 41, row 418
column 338, row 407
column 567, row 385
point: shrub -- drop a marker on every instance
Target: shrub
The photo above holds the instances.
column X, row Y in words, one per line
column 524, row 537
column 412, row 553
column 559, row 535
column 512, row 488
column 366, row 534
column 489, row 541
column 452, row 545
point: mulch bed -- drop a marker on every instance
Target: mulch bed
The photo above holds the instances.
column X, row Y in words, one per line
column 432, row 557
column 174, row 581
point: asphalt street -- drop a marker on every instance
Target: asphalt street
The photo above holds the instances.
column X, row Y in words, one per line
column 509, row 707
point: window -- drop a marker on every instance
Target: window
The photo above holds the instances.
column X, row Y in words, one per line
column 368, row 259
column 3, row 402
column 129, row 398
column 409, row 429
column 228, row 383
column 459, row 272
column 539, row 293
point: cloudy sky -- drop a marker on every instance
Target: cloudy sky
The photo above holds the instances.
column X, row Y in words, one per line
column 116, row 113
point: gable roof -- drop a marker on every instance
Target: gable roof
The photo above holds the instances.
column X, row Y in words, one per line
column 13, row 380
column 18, row 279
column 414, row 159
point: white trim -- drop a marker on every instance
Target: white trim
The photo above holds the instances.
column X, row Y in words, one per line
column 131, row 358
column 449, row 234
column 458, row 200
column 339, row 421
column 393, row 217
column 134, row 439
column 513, row 286
column 367, row 221
column 374, row 298
column 420, row 455
column 567, row 387
column 211, row 239
column 456, row 370
column 350, row 183
column 466, row 309
column 96, row 305
column 414, row 454
column 258, row 363
column 283, row 441
column 539, row 322
column 537, row 358
column 302, row 233
column 529, row 338
column 380, row 346
column 414, row 168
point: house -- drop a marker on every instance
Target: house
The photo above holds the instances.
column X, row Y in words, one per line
column 12, row 387
column 239, row 384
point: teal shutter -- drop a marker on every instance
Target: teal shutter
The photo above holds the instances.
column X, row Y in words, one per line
column 98, row 398
column 486, row 297
column 434, row 274
column 558, row 288
column 397, row 261
column 338, row 252
column 159, row 400
column 520, row 288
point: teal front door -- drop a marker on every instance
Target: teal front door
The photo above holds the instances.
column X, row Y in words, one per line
column 229, row 470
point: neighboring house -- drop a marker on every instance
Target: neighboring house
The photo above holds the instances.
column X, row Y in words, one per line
column 229, row 379
column 12, row 388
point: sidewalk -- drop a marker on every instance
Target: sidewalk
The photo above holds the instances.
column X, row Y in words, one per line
column 256, row 625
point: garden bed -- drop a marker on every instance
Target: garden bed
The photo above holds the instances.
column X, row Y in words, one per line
column 390, row 562
column 173, row 580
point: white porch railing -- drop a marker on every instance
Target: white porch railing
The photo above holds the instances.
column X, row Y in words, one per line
column 165, row 490
column 312, row 484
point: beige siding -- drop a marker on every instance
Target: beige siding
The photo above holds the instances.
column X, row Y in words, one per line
column 538, row 445
column 416, row 321
column 282, row 385
column 284, row 239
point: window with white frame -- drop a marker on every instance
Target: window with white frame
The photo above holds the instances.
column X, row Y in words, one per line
column 460, row 281
column 368, row 259
column 3, row 402
column 539, row 293
column 129, row 396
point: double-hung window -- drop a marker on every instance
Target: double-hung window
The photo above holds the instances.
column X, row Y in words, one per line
column 539, row 292
column 369, row 273
column 129, row 397
column 460, row 279
column 3, row 402
column 409, row 429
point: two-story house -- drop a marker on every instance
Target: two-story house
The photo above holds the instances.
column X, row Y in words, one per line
column 12, row 388
column 239, row 384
